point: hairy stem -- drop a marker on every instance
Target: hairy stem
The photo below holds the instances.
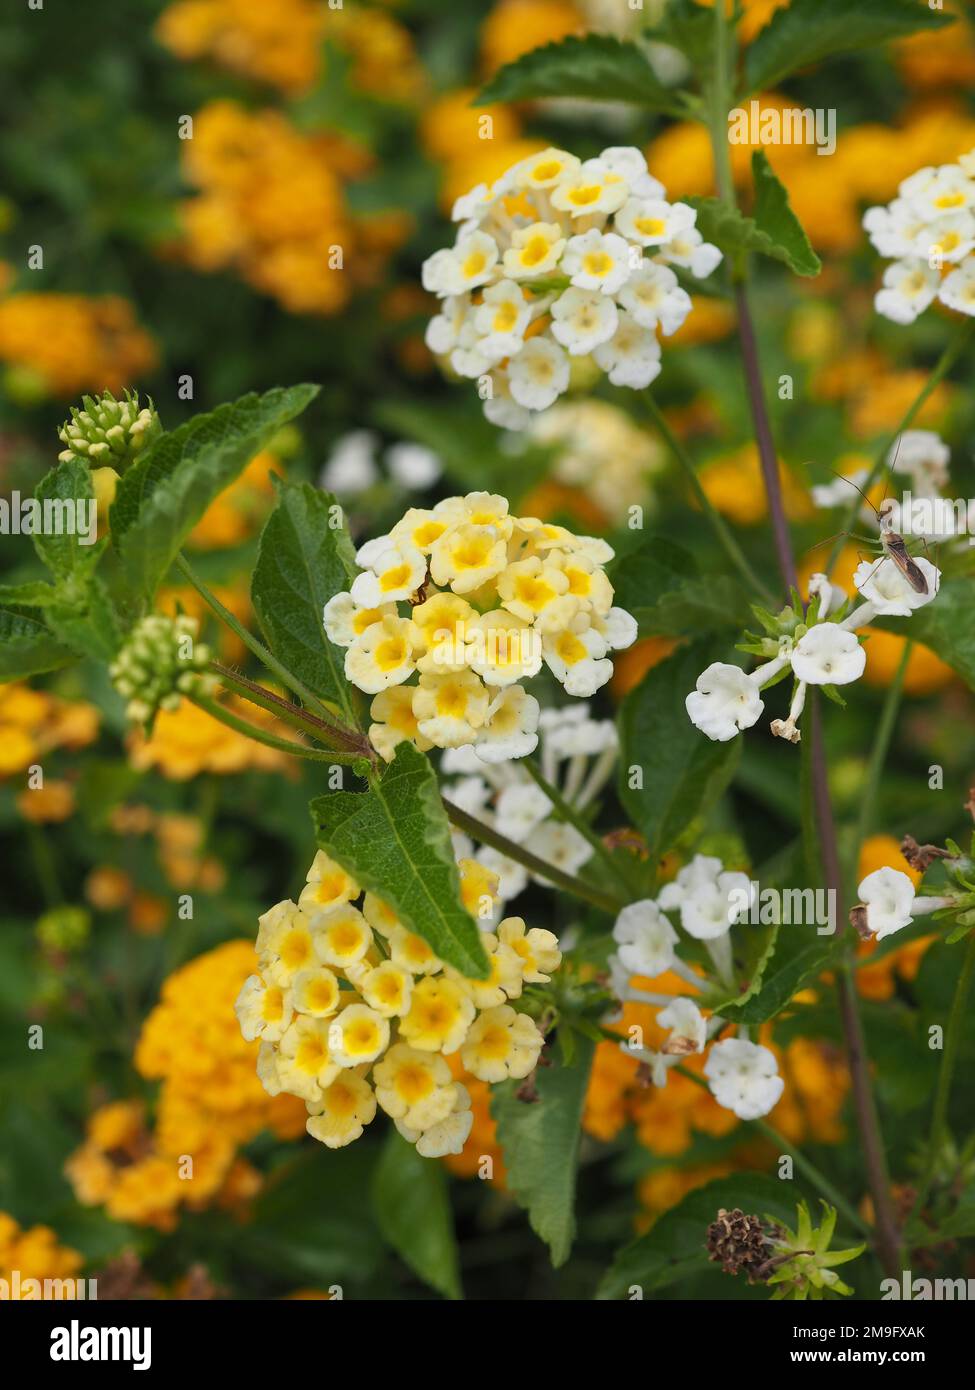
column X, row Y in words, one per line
column 281, row 745
column 576, row 886
column 284, row 709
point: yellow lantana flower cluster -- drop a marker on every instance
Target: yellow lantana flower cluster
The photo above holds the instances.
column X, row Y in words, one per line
column 34, row 722
column 355, row 1013
column 62, row 344
column 33, row 1253
column 272, row 206
column 491, row 597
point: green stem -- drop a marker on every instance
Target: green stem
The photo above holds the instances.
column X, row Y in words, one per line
column 261, row 652
column 945, row 362
column 939, row 1116
column 282, row 745
column 716, row 520
column 576, row 886
column 567, row 812
column 284, row 709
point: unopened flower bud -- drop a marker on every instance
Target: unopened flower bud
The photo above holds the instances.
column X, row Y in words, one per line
column 109, row 432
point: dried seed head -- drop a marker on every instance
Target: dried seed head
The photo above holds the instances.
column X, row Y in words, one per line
column 737, row 1242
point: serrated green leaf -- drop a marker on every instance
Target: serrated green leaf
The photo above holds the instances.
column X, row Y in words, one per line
column 773, row 231
column 395, row 840
column 28, row 648
column 63, row 491
column 165, row 493
column 683, row 771
column 594, row 66
column 302, row 562
column 90, row 623
column 540, row 1141
column 659, row 583
column 675, row 1247
column 799, row 956
column 35, row 593
column 808, row 31
column 946, row 625
column 412, row 1206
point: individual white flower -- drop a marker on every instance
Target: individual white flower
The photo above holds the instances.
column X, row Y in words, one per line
column 957, row 290
column 509, row 727
column 653, row 296
column 888, row 896
column 577, row 658
column 394, row 575
column 831, row 596
column 618, row 628
column 560, row 845
column 909, row 287
column 443, row 331
column 632, row 356
column 631, row 163
column 582, row 319
column 538, row 375
column 465, row 266
column 949, row 191
column 545, row 169
column 344, row 620
column 724, row 702
column 593, row 188
column 645, row 939
column 839, row 492
column 500, row 321
column 711, row 911
column 894, row 229
column 690, row 251
column 688, row 1027
column 828, row 655
column 519, row 808
column 413, row 466
column 696, row 877
column 652, row 221
column 534, row 251
column 351, row 466
column 947, row 239
column 597, row 261
column 887, row 589
column 743, row 1077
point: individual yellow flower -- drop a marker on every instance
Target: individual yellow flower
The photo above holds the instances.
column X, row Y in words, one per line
column 387, row 988
column 504, row 981
column 342, row 1112
column 286, row 943
column 447, row 1136
column 395, row 722
column 478, row 887
column 305, row 1064
column 379, row 915
column 263, row 1010
column 538, row 949
column 316, row 992
column 439, row 1017
column 327, row 886
column 467, row 556
column 537, row 590
column 501, row 1043
column 450, row 708
column 383, row 656
column 411, row 952
column 358, row 1035
column 414, row 1086
column 342, row 937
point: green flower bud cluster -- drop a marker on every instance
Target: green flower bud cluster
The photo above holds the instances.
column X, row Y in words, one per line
column 64, row 929
column 107, row 431
column 160, row 662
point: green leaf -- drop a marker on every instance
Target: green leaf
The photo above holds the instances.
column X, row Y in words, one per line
column 773, row 231
column 303, row 560
column 61, row 493
column 163, row 495
column 34, row 593
column 595, row 66
column 659, row 583
column 88, row 623
column 540, row 1141
column 395, row 840
column 798, row 956
column 412, row 1206
column 946, row 625
column 28, row 648
column 675, row 1247
column 810, row 30
column 688, row 27
column 683, row 771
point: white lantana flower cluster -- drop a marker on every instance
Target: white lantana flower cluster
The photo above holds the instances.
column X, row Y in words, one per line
column 577, row 755
column 708, row 900
column 562, row 259
column 929, row 232
column 727, row 700
column 355, row 1013
column 458, row 606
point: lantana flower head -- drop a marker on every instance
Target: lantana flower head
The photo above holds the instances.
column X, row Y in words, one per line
column 355, row 1013
column 562, row 259
column 458, row 608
